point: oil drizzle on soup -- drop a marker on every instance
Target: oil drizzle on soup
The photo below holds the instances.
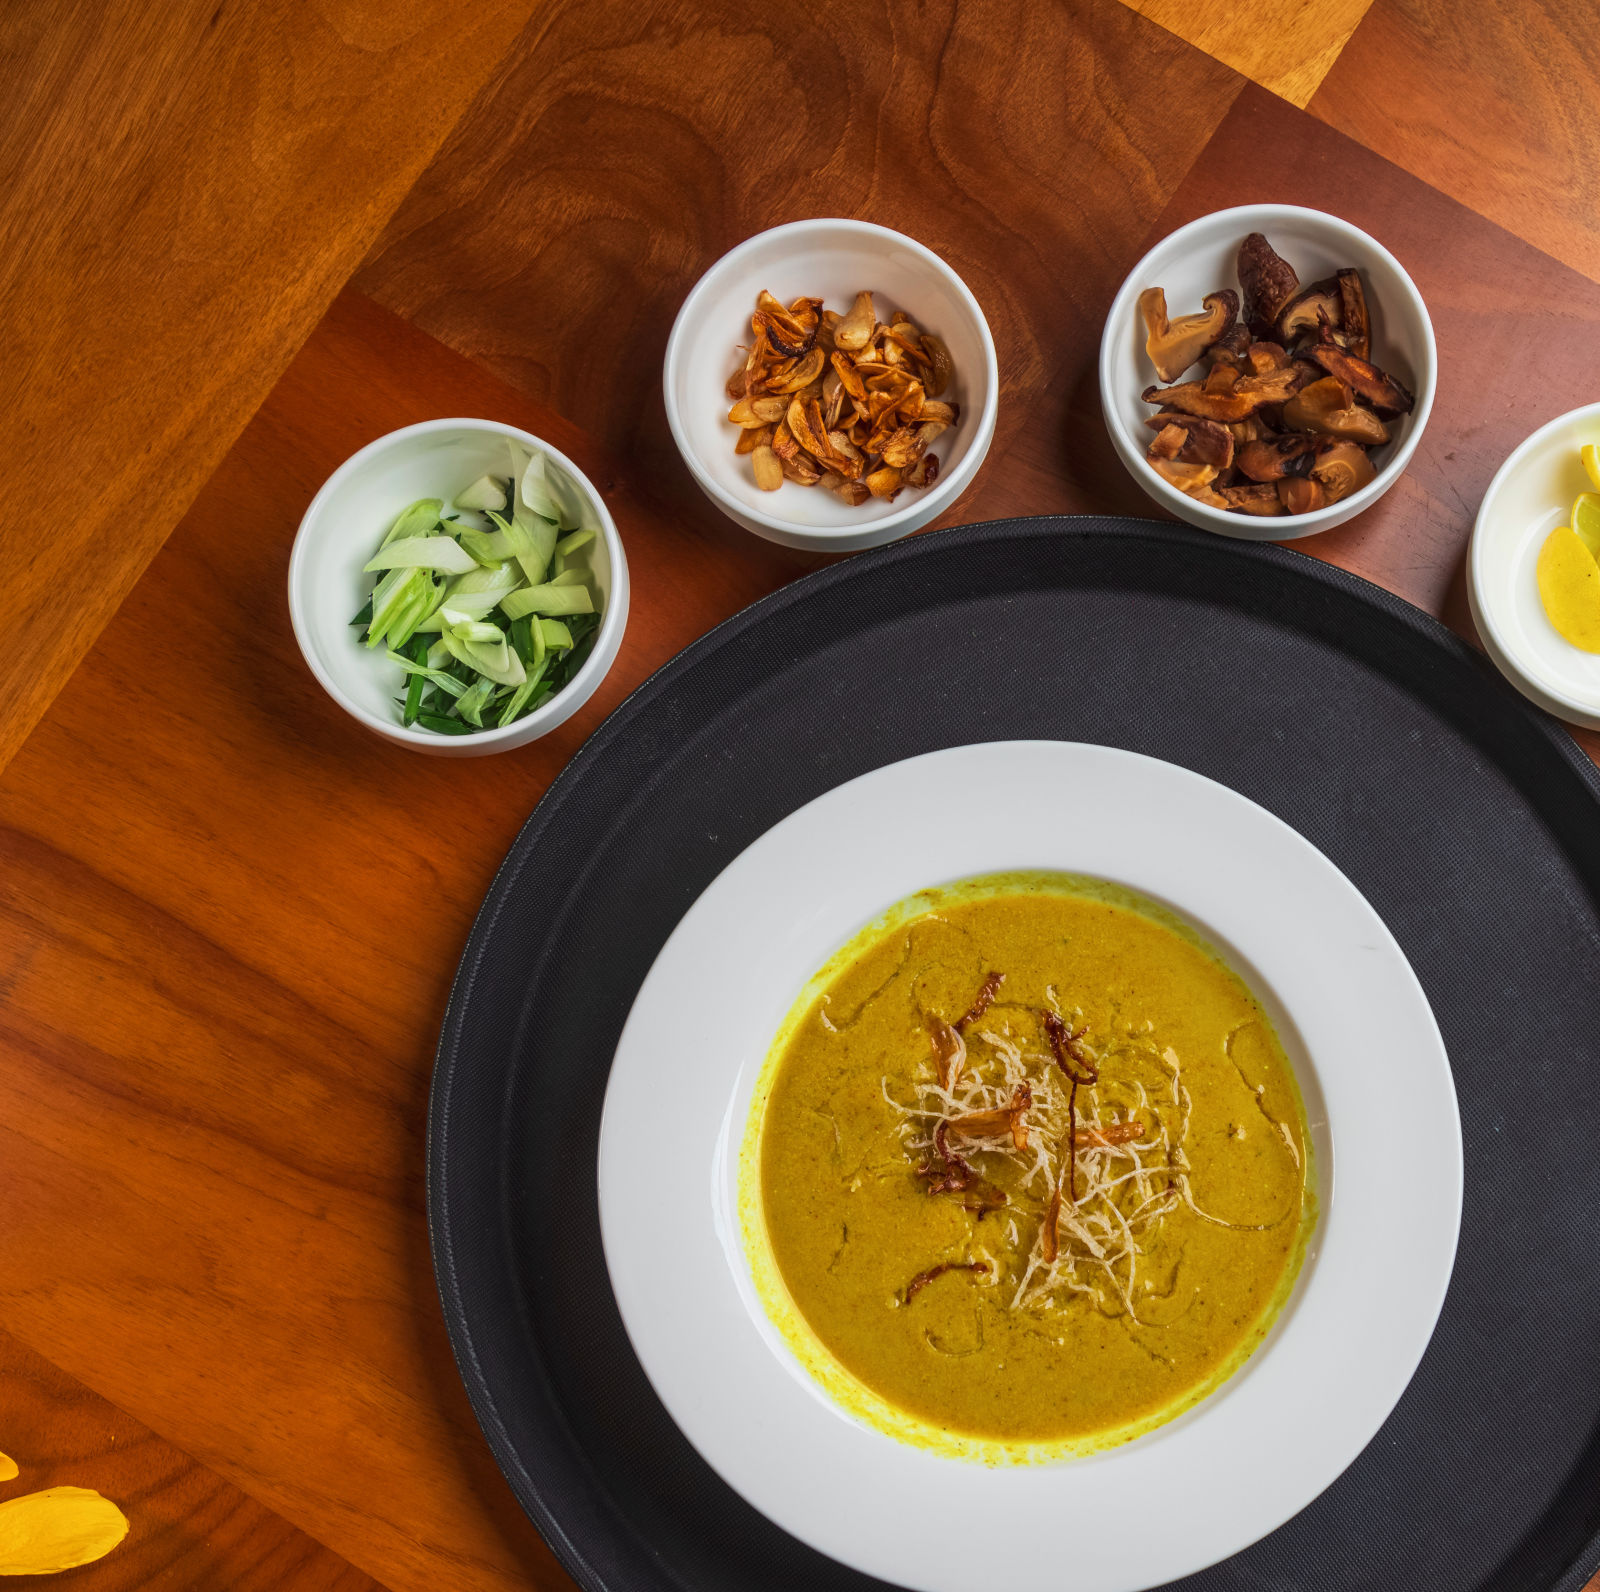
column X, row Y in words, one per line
column 1027, row 1171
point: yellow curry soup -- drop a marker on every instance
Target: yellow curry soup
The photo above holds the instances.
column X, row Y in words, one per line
column 1026, row 1172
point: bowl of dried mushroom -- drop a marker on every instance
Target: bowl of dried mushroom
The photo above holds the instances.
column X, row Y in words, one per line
column 831, row 385
column 1267, row 372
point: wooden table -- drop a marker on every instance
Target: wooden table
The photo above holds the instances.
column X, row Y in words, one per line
column 239, row 242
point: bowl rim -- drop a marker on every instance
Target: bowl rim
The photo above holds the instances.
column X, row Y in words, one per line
column 498, row 738
column 1288, row 525
column 1518, row 667
column 939, row 494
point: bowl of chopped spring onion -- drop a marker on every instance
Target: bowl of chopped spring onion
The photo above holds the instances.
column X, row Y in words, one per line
column 458, row 587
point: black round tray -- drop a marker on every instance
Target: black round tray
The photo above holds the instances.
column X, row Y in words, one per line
column 1468, row 819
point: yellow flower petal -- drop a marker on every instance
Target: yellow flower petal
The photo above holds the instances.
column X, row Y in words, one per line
column 57, row 1529
column 8, row 1467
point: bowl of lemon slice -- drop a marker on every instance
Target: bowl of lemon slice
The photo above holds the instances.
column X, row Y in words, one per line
column 1534, row 567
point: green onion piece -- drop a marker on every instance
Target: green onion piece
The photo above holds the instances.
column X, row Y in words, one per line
column 481, row 589
column 365, row 616
column 535, row 491
column 553, row 633
column 494, row 661
column 417, row 520
column 554, row 600
column 470, row 703
column 568, row 545
column 520, row 697
column 444, row 726
column 569, row 577
column 424, row 552
column 484, row 493
column 420, row 672
column 400, row 601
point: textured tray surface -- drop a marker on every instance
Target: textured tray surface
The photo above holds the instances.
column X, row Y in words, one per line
column 1467, row 819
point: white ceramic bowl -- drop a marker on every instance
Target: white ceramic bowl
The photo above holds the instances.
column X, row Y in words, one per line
column 1531, row 495
column 1353, row 1020
column 342, row 529
column 831, row 260
column 1199, row 259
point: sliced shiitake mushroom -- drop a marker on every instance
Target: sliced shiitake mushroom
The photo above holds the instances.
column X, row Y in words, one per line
column 1232, row 347
column 1249, row 393
column 1310, row 310
column 1343, row 468
column 1353, row 311
column 1174, row 345
column 1186, row 477
column 1301, row 495
column 1168, row 441
column 1263, row 358
column 1328, row 407
column 1272, row 458
column 1382, row 391
column 1203, row 441
column 1257, row 498
column 1268, row 280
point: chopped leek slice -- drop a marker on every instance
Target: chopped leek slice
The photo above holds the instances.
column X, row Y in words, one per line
column 446, row 682
column 568, row 545
column 494, row 661
column 484, row 493
column 553, row 600
column 423, row 552
column 416, row 520
column 569, row 577
column 535, row 491
column 471, row 701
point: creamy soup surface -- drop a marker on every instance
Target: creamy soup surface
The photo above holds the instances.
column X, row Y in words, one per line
column 1027, row 1168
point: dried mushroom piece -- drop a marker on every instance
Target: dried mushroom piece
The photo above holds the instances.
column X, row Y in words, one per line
column 1353, row 312
column 1253, row 499
column 1286, row 401
column 1174, row 345
column 1383, row 392
column 1272, row 458
column 1268, row 281
column 1343, row 469
column 1299, row 494
column 1310, row 310
column 1328, row 407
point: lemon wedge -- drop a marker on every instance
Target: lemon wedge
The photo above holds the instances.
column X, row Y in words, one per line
column 1590, row 454
column 1586, row 521
column 1569, row 588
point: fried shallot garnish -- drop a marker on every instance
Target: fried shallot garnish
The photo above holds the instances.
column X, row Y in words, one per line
column 933, row 1273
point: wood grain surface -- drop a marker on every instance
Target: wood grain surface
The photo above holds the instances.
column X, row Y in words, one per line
column 661, row 140
column 187, row 185
column 228, row 918
column 186, row 1526
column 1493, row 104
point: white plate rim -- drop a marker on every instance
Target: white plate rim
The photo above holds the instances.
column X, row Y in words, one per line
column 1332, row 1369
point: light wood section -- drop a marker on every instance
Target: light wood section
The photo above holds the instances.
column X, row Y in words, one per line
column 1287, row 46
column 186, row 1526
column 1493, row 104
column 187, row 185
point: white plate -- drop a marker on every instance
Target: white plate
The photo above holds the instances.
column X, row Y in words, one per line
column 1378, row 1094
column 1532, row 493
